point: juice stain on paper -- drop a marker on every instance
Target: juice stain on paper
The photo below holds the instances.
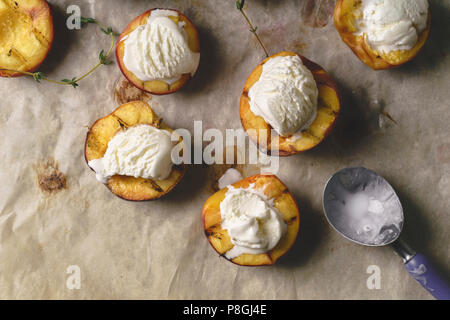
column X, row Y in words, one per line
column 49, row 179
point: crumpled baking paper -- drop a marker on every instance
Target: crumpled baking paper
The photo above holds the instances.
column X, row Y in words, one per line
column 57, row 222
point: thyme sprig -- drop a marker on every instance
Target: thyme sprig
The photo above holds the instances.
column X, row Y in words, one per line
column 253, row 29
column 103, row 58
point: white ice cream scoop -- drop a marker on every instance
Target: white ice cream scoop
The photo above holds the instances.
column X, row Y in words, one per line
column 363, row 207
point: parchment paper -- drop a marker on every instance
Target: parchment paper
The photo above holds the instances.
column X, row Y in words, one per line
column 54, row 214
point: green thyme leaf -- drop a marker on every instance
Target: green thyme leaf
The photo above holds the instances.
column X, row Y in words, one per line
column 72, row 82
column 109, row 31
column 103, row 58
column 87, row 20
column 38, row 76
column 240, row 4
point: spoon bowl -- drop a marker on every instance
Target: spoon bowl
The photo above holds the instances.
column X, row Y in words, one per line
column 363, row 207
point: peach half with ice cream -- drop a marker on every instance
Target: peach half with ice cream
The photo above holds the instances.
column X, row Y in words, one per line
column 252, row 222
column 130, row 151
column 383, row 33
column 159, row 51
column 289, row 104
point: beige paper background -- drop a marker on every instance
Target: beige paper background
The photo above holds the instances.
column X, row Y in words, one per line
column 157, row 250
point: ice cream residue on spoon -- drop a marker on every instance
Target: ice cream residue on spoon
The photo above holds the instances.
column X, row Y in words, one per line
column 364, row 210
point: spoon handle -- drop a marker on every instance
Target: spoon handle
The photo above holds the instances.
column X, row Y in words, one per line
column 424, row 271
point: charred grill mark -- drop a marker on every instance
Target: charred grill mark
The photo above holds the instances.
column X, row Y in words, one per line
column 12, row 4
column 41, row 38
column 14, row 51
column 291, row 220
column 122, row 123
column 208, row 233
column 157, row 123
column 154, row 185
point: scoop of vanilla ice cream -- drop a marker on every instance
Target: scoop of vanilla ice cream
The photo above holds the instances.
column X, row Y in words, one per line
column 140, row 151
column 159, row 49
column 285, row 95
column 392, row 25
column 253, row 224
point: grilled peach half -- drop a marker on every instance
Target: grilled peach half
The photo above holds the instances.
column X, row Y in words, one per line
column 157, row 87
column 26, row 35
column 259, row 130
column 283, row 200
column 345, row 15
column 102, row 131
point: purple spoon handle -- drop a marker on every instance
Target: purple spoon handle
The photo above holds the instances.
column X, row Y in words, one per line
column 423, row 270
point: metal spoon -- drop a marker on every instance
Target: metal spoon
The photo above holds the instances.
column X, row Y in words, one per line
column 364, row 208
